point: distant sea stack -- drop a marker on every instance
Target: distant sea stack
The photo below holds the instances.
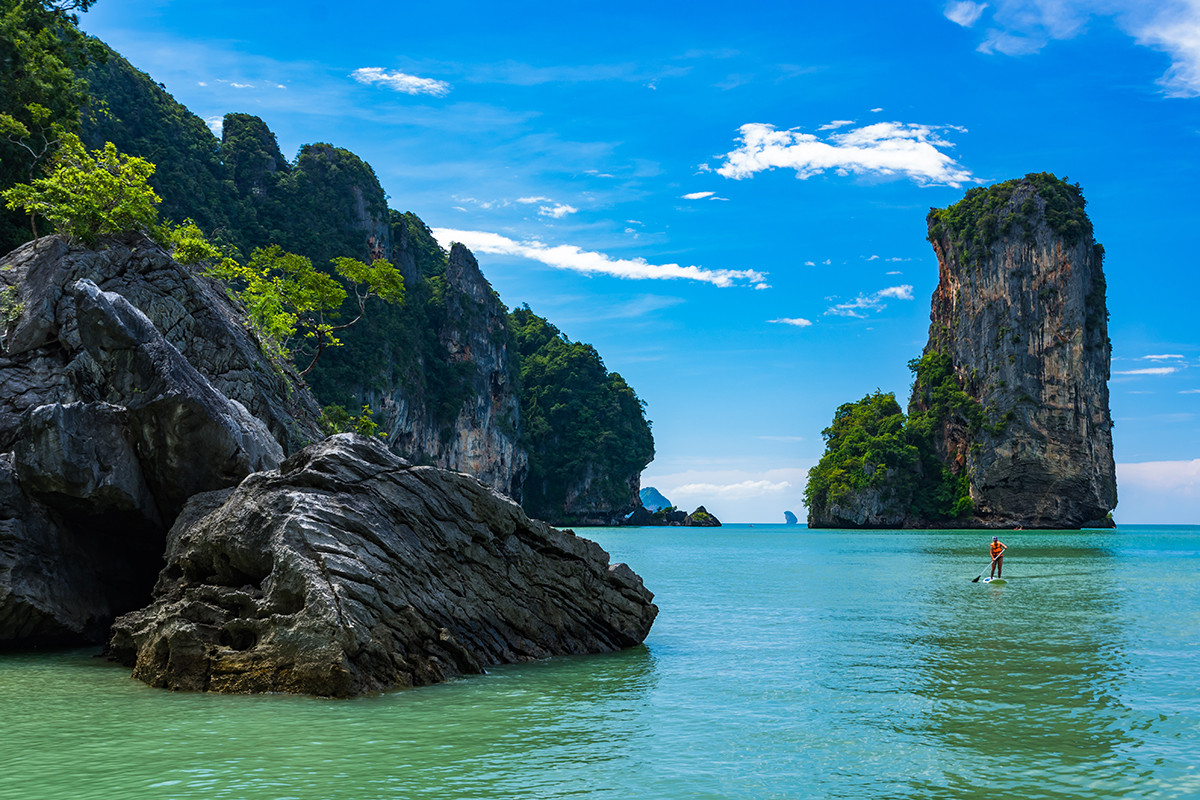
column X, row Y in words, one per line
column 1008, row 424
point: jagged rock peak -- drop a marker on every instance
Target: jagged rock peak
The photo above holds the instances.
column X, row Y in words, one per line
column 1020, row 311
column 1008, row 424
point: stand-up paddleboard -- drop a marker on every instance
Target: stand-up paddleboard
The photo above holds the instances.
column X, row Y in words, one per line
column 996, row 581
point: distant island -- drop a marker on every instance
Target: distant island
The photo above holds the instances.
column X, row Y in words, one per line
column 658, row 510
column 1008, row 424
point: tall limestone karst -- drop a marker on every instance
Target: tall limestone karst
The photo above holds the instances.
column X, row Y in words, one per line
column 440, row 370
column 440, row 373
column 1008, row 423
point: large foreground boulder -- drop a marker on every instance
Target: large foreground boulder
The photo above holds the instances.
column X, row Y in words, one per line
column 107, row 426
column 348, row 570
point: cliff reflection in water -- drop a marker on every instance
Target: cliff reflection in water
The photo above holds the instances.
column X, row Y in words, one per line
column 1023, row 681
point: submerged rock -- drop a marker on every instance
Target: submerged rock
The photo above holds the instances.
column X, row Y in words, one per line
column 348, row 570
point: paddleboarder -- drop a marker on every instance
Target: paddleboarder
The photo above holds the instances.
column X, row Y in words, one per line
column 998, row 548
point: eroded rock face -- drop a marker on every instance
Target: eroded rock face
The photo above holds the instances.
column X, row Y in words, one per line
column 41, row 357
column 483, row 439
column 1025, row 323
column 109, row 428
column 348, row 570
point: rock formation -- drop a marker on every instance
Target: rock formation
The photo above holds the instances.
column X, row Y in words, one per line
column 348, row 570
column 1009, row 415
column 481, row 438
column 652, row 499
column 1024, row 320
column 109, row 427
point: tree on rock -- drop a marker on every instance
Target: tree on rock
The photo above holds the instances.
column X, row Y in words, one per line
column 90, row 193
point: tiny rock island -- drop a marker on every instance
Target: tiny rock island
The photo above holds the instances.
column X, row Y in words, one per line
column 1008, row 423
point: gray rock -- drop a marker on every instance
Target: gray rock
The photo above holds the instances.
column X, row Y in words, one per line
column 82, row 455
column 190, row 437
column 348, row 570
column 110, row 427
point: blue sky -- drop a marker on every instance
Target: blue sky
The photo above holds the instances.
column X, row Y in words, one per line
column 729, row 200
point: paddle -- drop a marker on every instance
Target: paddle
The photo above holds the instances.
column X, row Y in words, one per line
column 985, row 569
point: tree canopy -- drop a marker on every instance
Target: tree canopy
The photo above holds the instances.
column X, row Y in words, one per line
column 578, row 420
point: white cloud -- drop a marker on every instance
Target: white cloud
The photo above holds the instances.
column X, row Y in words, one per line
column 215, row 124
column 1163, row 357
column 1147, row 371
column 858, row 307
column 881, row 149
column 698, row 195
column 835, row 124
column 557, row 211
column 758, row 287
column 876, row 110
column 401, row 81
column 588, row 262
column 904, row 292
column 531, row 200
column 965, row 13
column 1021, row 27
column 1164, row 492
column 1180, row 476
column 1189, row 391
column 799, row 322
column 809, row 264
column 872, row 258
column 740, row 490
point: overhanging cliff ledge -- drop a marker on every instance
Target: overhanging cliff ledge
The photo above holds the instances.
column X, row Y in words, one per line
column 1008, row 423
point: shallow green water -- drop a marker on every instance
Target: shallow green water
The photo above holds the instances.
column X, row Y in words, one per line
column 784, row 664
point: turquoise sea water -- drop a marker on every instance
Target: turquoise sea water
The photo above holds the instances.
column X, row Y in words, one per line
column 784, row 664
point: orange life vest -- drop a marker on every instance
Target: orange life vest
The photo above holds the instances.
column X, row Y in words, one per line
column 997, row 549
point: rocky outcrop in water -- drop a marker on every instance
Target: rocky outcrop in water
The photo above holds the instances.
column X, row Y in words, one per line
column 1009, row 422
column 348, row 570
column 1022, row 315
column 110, row 428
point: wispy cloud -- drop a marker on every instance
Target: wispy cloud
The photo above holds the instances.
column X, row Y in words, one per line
column 859, row 306
column 1147, row 371
column 698, row 195
column 799, row 322
column 965, row 13
column 557, row 211
column 401, row 81
column 1163, row 476
column 741, row 489
column 587, row 262
column 1163, row 357
column 1023, row 27
column 899, row 149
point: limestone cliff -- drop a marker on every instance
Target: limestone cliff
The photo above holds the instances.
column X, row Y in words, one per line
column 1008, row 424
column 480, row 437
column 1020, row 310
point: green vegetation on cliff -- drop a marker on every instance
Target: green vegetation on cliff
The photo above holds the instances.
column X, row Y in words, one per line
column 581, row 424
column 872, row 446
column 586, row 430
column 985, row 214
column 41, row 95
